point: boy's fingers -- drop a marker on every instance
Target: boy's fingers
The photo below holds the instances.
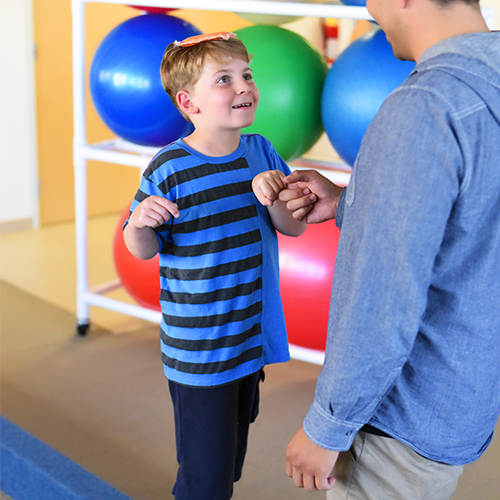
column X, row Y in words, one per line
column 169, row 206
column 271, row 192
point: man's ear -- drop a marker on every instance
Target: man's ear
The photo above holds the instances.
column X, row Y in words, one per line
column 185, row 103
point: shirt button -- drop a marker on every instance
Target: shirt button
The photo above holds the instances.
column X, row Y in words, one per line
column 348, row 433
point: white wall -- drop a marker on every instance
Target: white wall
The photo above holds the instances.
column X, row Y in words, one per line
column 18, row 170
column 494, row 5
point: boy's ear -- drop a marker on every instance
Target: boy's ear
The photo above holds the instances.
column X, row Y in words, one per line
column 185, row 102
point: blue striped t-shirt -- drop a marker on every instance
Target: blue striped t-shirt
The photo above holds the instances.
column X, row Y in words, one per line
column 222, row 316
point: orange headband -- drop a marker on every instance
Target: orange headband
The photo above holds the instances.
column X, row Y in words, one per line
column 194, row 40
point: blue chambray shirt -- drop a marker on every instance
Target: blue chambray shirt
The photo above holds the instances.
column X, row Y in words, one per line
column 414, row 330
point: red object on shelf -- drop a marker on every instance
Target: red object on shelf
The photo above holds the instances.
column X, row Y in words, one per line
column 152, row 10
column 331, row 32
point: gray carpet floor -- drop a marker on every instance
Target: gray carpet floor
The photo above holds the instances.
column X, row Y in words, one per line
column 102, row 401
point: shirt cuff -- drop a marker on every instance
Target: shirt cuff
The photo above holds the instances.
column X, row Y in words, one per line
column 328, row 432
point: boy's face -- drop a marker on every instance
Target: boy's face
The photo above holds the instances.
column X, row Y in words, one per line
column 225, row 95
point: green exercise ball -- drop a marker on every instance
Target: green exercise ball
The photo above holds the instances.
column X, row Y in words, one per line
column 289, row 74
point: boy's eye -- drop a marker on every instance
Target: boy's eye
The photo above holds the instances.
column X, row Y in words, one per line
column 247, row 76
column 224, row 79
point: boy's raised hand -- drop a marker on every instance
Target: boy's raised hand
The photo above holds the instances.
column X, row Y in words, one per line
column 267, row 186
column 149, row 214
column 153, row 212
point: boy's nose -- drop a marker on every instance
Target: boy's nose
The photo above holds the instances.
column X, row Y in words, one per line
column 243, row 87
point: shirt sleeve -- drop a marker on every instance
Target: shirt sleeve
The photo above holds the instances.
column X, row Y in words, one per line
column 149, row 186
column 280, row 164
column 277, row 162
column 393, row 216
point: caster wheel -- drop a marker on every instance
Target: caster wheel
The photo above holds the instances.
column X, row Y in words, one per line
column 82, row 329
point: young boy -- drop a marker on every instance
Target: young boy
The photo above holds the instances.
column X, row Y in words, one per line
column 222, row 313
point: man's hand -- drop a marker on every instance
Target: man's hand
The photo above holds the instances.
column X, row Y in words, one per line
column 310, row 196
column 309, row 465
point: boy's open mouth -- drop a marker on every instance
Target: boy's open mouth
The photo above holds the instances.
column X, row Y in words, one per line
column 246, row 105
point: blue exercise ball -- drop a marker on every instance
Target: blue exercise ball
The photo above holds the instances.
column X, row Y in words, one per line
column 356, row 86
column 357, row 3
column 125, row 82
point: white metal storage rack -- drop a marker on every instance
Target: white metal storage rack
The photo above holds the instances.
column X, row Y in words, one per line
column 121, row 152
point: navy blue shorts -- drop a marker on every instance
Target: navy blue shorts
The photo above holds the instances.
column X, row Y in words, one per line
column 211, row 431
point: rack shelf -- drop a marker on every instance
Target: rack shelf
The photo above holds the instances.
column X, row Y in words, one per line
column 118, row 151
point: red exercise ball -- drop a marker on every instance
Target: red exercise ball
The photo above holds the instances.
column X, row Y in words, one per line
column 140, row 278
column 306, row 275
column 152, row 10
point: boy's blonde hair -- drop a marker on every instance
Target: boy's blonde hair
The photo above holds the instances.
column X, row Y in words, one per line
column 181, row 67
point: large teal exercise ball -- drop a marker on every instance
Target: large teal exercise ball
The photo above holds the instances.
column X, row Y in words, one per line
column 289, row 73
column 355, row 88
column 125, row 80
